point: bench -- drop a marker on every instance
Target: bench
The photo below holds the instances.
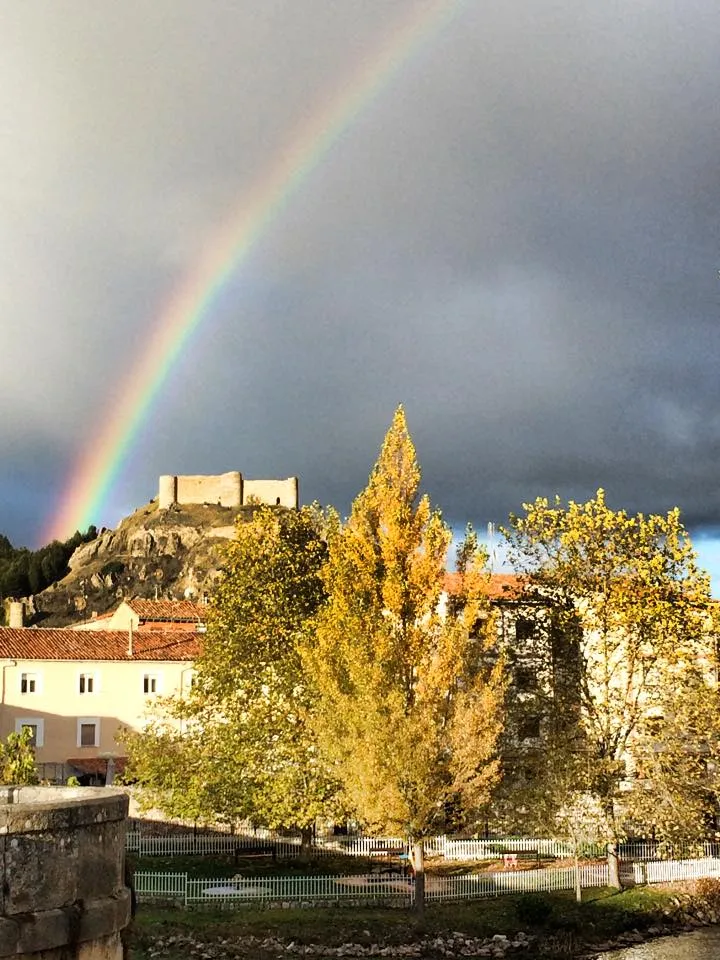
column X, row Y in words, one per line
column 387, row 851
column 256, row 850
column 511, row 858
column 400, row 869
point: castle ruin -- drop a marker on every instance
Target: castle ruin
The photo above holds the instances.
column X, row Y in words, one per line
column 227, row 490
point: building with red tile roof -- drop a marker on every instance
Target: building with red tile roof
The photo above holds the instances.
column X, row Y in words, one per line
column 76, row 689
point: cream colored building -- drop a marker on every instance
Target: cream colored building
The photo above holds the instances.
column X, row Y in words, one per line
column 76, row 690
column 140, row 614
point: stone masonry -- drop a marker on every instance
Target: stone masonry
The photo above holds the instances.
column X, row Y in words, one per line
column 63, row 893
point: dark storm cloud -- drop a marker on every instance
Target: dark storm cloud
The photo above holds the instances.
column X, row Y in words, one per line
column 519, row 239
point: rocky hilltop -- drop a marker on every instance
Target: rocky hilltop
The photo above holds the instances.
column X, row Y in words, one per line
column 171, row 553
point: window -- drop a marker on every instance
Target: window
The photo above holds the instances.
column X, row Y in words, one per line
column 29, row 683
column 654, row 725
column 476, row 630
column 88, row 732
column 525, row 679
column 151, row 683
column 87, row 683
column 530, row 728
column 35, row 725
column 524, row 628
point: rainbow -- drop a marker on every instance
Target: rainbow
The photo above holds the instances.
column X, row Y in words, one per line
column 98, row 467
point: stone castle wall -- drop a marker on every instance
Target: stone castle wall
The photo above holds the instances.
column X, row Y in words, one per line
column 63, row 886
column 227, row 490
column 283, row 492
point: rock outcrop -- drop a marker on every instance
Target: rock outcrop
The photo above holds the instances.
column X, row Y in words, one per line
column 173, row 553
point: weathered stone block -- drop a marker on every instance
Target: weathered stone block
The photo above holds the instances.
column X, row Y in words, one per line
column 44, row 930
column 99, row 918
column 36, row 872
column 9, row 933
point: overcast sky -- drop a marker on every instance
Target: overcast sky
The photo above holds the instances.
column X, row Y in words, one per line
column 518, row 239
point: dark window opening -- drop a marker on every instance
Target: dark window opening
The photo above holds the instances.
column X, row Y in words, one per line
column 525, row 679
column 524, row 628
column 87, row 734
column 32, row 727
column 530, row 728
column 476, row 630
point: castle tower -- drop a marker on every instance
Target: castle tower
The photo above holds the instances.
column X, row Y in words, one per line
column 167, row 491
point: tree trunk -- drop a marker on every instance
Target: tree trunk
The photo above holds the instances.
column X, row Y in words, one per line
column 306, row 836
column 419, row 868
column 578, row 887
column 613, row 866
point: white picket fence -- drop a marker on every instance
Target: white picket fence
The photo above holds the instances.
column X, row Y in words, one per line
column 667, row 871
column 558, row 849
column 367, row 888
column 179, row 889
column 202, row 844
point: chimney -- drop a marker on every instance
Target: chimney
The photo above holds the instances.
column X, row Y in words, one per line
column 16, row 616
column 130, row 643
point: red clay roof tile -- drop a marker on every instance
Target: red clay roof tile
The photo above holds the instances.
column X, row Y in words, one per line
column 167, row 610
column 45, row 643
column 499, row 586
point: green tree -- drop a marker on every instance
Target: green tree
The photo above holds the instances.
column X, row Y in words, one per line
column 17, row 759
column 239, row 744
column 627, row 607
column 409, row 702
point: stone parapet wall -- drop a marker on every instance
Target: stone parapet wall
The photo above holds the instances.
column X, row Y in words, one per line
column 63, row 857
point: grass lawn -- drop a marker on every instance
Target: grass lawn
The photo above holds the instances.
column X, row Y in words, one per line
column 177, row 935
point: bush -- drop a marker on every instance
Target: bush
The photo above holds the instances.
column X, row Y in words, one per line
column 536, row 909
column 113, row 567
column 708, row 889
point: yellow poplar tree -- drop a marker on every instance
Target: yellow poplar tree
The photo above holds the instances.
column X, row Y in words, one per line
column 628, row 608
column 677, row 759
column 409, row 704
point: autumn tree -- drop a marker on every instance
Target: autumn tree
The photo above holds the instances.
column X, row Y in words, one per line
column 677, row 758
column 238, row 744
column 626, row 614
column 409, row 695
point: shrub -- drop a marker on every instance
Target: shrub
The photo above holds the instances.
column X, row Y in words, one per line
column 535, row 908
column 708, row 889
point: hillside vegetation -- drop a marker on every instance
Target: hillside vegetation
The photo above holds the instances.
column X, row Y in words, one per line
column 25, row 572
